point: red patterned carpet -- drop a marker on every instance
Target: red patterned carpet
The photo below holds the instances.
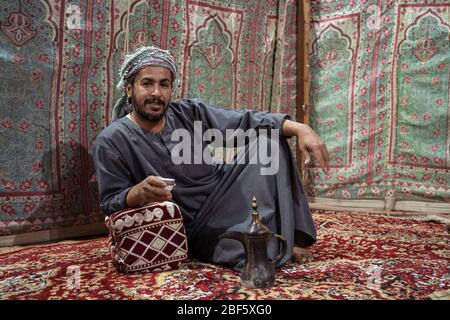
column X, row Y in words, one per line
column 357, row 256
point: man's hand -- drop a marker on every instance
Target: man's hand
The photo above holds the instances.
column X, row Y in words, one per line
column 308, row 142
column 151, row 189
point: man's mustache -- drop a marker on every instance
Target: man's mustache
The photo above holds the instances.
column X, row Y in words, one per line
column 154, row 101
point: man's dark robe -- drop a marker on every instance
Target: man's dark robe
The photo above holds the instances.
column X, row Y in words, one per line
column 213, row 198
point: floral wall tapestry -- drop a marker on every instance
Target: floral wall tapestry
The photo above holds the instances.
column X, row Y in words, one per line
column 380, row 99
column 59, row 61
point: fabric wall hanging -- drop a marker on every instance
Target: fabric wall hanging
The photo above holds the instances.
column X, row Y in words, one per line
column 59, row 70
column 380, row 99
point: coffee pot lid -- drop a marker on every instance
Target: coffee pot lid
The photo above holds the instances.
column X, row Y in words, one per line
column 256, row 227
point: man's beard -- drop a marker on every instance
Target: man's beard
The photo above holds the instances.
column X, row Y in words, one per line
column 147, row 115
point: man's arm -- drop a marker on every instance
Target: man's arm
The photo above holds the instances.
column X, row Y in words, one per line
column 222, row 119
column 115, row 183
column 308, row 142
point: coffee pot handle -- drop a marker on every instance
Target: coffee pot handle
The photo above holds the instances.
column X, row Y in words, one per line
column 283, row 248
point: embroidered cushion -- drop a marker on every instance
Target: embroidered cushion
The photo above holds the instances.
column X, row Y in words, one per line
column 147, row 239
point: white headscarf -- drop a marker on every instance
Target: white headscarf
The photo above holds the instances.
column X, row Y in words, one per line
column 133, row 63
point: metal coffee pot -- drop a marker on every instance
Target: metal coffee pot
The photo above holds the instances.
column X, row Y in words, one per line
column 259, row 270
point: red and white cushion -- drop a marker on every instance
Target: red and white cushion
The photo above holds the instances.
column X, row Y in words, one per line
column 147, row 239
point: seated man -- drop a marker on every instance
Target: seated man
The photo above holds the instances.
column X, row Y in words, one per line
column 143, row 144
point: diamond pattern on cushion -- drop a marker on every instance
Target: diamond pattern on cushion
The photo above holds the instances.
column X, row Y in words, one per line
column 127, row 244
column 148, row 246
column 139, row 249
column 158, row 243
column 151, row 255
column 170, row 249
column 178, row 238
column 166, row 232
column 147, row 236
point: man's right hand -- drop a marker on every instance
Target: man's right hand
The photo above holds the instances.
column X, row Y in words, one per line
column 151, row 189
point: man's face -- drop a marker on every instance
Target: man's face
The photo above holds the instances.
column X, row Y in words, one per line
column 151, row 92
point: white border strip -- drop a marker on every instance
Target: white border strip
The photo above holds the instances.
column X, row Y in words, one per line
column 380, row 205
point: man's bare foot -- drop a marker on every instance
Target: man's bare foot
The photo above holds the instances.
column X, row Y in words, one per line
column 300, row 255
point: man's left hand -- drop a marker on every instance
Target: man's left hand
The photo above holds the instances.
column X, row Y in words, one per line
column 308, row 142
